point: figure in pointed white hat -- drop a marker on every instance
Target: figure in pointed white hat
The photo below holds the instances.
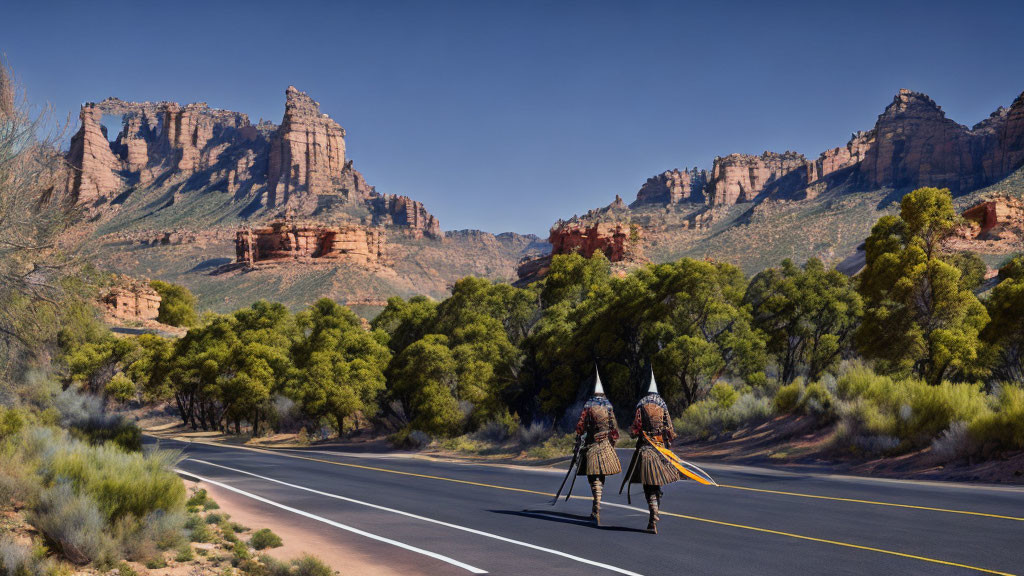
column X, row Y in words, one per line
column 597, row 421
column 652, row 425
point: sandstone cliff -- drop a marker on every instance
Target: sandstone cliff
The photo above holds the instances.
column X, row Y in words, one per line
column 673, row 187
column 186, row 153
column 912, row 144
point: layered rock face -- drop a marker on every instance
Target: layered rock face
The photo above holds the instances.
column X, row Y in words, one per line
column 394, row 210
column 132, row 300
column 741, row 177
column 912, row 144
column 674, row 186
column 308, row 152
column 299, row 167
column 283, row 240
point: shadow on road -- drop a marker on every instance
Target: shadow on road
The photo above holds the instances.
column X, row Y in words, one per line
column 565, row 518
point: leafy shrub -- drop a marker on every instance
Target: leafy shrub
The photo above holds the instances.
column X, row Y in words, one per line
column 184, row 554
column 240, row 552
column 120, row 388
column 177, row 304
column 200, row 498
column 723, row 395
column 305, row 565
column 787, row 399
column 156, row 562
column 200, row 533
column 216, row 517
column 12, row 421
column 227, row 532
column 125, row 569
column 265, row 538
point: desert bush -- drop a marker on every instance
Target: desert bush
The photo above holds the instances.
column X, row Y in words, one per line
column 410, row 439
column 265, row 538
column 239, row 553
column 85, row 416
column 121, row 483
column 954, row 443
column 184, row 554
column 74, row 523
column 200, row 499
column 535, row 433
column 787, row 398
column 216, row 517
column 1003, row 428
column 497, row 430
column 20, row 560
column 227, row 532
column 721, row 412
column 120, row 388
column 200, row 533
column 12, row 421
column 555, row 446
column 143, row 538
column 305, row 565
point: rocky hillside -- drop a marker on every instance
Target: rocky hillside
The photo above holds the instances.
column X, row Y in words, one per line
column 181, row 191
column 756, row 210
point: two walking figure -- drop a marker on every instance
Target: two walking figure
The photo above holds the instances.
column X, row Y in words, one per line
column 652, row 427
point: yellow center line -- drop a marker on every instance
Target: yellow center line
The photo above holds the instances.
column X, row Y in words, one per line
column 874, row 502
column 687, row 517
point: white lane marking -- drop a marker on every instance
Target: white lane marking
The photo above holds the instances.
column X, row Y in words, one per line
column 411, row 548
column 431, row 520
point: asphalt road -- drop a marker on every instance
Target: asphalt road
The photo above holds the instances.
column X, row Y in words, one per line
column 458, row 518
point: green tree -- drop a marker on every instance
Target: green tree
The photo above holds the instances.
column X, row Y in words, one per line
column 177, row 304
column 1004, row 335
column 424, row 379
column 919, row 318
column 701, row 328
column 339, row 366
column 809, row 316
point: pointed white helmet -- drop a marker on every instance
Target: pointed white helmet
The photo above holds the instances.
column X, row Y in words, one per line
column 598, row 388
column 653, row 388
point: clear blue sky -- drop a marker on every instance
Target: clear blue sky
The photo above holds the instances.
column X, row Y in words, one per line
column 509, row 115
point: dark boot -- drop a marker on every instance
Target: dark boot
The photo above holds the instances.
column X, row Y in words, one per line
column 597, row 487
column 652, row 504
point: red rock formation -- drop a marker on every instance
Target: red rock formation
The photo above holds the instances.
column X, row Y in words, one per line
column 741, row 177
column 616, row 241
column 132, row 300
column 912, row 144
column 94, row 167
column 673, row 186
column 394, row 210
column 308, row 152
column 284, row 240
column 836, row 159
column 916, row 145
column 286, row 168
column 991, row 219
